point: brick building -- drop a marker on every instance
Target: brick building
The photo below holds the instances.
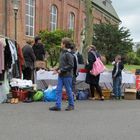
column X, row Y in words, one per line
column 36, row 15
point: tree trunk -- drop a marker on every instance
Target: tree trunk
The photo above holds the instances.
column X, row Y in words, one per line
column 88, row 26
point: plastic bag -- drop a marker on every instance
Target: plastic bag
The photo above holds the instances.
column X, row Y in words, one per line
column 38, row 96
column 50, row 94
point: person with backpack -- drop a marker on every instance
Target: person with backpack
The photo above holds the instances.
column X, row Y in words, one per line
column 92, row 80
column 117, row 76
column 65, row 74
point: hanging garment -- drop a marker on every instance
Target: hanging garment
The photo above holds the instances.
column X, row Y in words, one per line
column 4, row 89
column 13, row 50
column 2, row 40
column 1, row 57
column 7, row 56
column 21, row 59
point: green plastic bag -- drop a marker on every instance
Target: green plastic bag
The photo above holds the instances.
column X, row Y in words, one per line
column 38, row 96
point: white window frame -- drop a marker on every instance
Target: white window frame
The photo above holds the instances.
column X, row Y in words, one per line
column 72, row 21
column 53, row 17
column 29, row 17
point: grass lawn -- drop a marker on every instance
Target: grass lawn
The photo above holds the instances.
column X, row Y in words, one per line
column 127, row 67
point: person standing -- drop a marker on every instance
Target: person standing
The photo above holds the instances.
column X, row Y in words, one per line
column 65, row 74
column 117, row 77
column 75, row 69
column 29, row 58
column 92, row 80
column 39, row 49
column 79, row 56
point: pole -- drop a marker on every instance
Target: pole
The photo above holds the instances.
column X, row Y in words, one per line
column 15, row 25
column 5, row 20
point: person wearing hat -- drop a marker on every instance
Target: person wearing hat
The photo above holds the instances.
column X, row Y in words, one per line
column 39, row 49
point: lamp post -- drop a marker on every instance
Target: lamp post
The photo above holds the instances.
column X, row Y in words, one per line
column 15, row 8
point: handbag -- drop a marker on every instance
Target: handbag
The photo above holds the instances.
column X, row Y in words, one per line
column 98, row 66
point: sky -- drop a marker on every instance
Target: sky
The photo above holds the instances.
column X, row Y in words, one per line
column 129, row 13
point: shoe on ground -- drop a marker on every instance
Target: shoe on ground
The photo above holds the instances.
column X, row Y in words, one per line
column 54, row 108
column 102, row 98
column 69, row 108
column 92, row 98
column 16, row 100
column 12, row 101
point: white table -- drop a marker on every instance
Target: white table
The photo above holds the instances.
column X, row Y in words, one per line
column 105, row 77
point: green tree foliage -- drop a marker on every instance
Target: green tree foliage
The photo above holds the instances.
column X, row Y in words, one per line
column 111, row 40
column 131, row 56
column 138, row 52
column 52, row 41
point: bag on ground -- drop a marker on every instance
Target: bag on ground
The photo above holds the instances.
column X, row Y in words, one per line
column 82, row 94
column 38, row 96
column 50, row 94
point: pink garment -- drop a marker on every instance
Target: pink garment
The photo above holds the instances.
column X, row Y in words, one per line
column 1, row 57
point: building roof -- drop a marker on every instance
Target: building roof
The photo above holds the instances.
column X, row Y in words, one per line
column 106, row 6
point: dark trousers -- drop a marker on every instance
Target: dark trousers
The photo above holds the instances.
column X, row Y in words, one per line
column 74, row 85
column 27, row 73
column 98, row 89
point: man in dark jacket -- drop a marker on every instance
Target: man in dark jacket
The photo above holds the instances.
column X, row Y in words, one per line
column 65, row 74
column 39, row 49
column 29, row 58
column 117, row 76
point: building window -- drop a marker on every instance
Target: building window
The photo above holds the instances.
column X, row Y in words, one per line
column 71, row 21
column 30, row 15
column 53, row 21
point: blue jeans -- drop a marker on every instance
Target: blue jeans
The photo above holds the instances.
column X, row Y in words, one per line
column 117, row 81
column 67, row 83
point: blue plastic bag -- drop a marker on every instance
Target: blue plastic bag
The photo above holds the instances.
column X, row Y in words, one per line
column 50, row 94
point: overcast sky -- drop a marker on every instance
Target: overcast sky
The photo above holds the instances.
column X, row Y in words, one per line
column 129, row 13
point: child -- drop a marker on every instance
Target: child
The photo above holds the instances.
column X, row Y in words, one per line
column 117, row 77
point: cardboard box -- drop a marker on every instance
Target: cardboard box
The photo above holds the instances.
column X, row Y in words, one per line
column 40, row 64
column 130, row 94
column 106, row 94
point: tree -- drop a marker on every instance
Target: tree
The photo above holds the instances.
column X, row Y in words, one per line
column 112, row 40
column 52, row 41
column 88, row 26
column 138, row 52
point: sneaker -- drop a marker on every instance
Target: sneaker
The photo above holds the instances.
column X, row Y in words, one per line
column 102, row 98
column 16, row 100
column 54, row 108
column 92, row 98
column 12, row 101
column 69, row 108
column 120, row 98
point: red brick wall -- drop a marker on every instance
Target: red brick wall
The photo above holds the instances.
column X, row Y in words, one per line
column 42, row 17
